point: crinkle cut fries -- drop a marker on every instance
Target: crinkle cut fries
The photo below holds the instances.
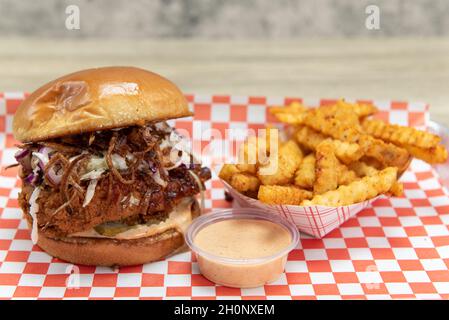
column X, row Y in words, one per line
column 335, row 155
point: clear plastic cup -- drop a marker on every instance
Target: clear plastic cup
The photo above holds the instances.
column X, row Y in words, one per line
column 240, row 273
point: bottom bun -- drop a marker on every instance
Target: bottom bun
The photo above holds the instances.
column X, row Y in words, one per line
column 115, row 252
column 111, row 252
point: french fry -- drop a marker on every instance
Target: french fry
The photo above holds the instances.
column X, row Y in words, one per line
column 294, row 107
column 248, row 153
column 255, row 150
column 244, row 182
column 319, row 120
column 248, row 157
column 422, row 145
column 325, row 169
column 247, row 168
column 227, row 171
column 281, row 167
column 272, row 140
column 345, row 151
column 397, row 189
column 430, row 155
column 360, row 109
column 345, row 175
column 291, row 114
column 357, row 191
column 288, row 195
column 290, row 118
column 388, row 154
column 352, row 158
column 400, row 135
column 308, row 137
column 362, row 169
column 305, row 176
column 342, row 112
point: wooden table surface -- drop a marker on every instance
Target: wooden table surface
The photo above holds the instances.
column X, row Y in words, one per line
column 401, row 69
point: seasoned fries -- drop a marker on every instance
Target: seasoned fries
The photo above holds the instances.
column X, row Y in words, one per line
column 422, row 145
column 336, row 156
column 357, row 191
column 294, row 107
column 292, row 114
column 287, row 162
column 345, row 175
column 433, row 155
column 244, row 182
column 305, row 176
column 345, row 151
column 330, row 125
column 227, row 171
column 362, row 110
column 363, row 169
column 326, row 175
column 400, row 135
column 387, row 154
column 283, row 195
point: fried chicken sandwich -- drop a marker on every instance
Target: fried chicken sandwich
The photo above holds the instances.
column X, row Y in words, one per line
column 105, row 180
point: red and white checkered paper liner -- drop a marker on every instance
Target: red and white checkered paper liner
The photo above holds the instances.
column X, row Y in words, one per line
column 316, row 221
column 395, row 248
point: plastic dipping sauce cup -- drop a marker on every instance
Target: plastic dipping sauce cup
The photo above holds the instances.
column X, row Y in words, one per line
column 241, row 248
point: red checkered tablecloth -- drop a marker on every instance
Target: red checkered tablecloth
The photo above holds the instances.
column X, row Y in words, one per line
column 397, row 248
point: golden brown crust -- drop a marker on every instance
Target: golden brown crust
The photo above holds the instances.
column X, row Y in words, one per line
column 97, row 99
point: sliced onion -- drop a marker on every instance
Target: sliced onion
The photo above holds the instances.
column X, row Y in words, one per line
column 31, row 178
column 23, row 157
column 22, row 153
column 45, row 150
column 42, row 159
column 90, row 192
column 54, row 177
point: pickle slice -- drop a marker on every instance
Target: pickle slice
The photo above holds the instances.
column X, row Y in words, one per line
column 110, row 229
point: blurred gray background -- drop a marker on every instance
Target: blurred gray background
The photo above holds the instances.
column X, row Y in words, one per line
column 224, row 19
column 302, row 48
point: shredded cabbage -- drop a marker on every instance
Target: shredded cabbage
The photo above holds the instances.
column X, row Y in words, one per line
column 157, row 178
column 34, row 208
column 93, row 174
column 133, row 201
column 100, row 163
column 90, row 192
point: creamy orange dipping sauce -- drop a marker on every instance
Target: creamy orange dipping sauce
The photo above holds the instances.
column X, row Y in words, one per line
column 242, row 239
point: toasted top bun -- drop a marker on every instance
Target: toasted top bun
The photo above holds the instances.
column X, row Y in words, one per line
column 97, row 99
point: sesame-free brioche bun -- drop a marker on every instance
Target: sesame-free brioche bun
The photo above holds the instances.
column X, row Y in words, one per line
column 110, row 252
column 97, row 99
